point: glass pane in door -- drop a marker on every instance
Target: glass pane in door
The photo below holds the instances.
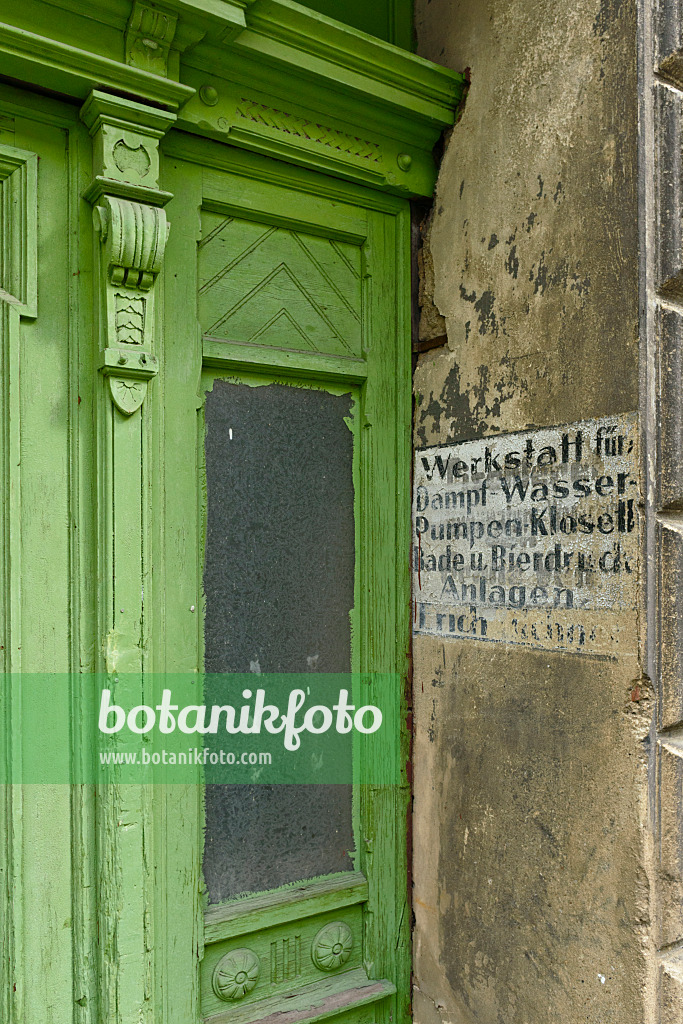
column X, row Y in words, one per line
column 279, row 584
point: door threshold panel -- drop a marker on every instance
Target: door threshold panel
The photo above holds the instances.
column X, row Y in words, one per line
column 239, row 355
column 228, row 920
column 322, row 1000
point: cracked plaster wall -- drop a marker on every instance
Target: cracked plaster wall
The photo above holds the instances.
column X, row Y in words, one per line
column 531, row 850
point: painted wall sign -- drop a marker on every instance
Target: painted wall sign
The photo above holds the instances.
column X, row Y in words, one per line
column 530, row 538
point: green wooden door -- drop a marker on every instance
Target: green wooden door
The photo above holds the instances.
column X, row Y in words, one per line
column 285, row 419
column 281, row 314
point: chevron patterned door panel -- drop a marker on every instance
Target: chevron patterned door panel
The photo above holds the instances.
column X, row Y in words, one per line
column 278, row 287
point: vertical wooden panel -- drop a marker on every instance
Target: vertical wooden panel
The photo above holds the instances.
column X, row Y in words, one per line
column 381, row 424
column 177, row 598
column 386, row 596
column 10, row 707
column 130, row 246
column 44, row 953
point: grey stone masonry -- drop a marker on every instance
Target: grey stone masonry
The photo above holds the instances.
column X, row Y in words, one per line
column 662, row 201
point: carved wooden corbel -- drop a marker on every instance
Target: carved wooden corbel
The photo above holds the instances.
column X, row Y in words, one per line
column 133, row 238
column 133, row 230
column 125, row 138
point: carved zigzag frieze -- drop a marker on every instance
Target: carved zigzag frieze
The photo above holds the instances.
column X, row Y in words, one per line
column 305, row 131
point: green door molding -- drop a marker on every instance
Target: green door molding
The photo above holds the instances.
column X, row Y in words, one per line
column 18, row 298
column 132, row 231
column 47, row 847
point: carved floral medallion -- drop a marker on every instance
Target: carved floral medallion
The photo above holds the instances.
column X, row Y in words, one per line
column 236, row 974
column 332, row 946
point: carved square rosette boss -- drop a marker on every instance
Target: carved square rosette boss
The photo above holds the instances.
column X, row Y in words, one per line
column 128, row 214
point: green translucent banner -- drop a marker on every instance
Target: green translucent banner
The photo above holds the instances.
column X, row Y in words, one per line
column 187, row 729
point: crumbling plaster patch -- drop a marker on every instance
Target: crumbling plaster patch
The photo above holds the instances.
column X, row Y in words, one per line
column 534, row 212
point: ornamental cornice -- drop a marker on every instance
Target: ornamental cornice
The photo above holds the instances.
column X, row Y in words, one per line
column 264, row 75
column 76, row 70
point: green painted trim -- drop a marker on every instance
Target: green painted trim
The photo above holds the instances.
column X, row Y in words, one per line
column 215, row 155
column 385, row 605
column 323, row 1000
column 73, row 71
column 220, row 12
column 390, row 20
column 82, row 561
column 11, row 973
column 19, row 240
column 299, row 87
column 304, row 210
column 38, row 830
column 307, row 366
column 101, row 110
column 391, row 157
column 175, row 587
column 27, row 104
column 427, row 89
column 19, row 190
column 130, row 239
column 227, row 920
column 269, row 76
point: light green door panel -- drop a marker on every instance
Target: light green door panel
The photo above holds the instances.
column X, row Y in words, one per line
column 302, row 304
column 277, row 286
column 46, row 873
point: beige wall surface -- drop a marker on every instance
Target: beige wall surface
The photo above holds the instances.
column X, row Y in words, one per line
column 531, row 891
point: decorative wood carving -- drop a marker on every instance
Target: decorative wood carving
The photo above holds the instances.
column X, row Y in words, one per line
column 130, row 318
column 236, row 974
column 309, row 131
column 149, row 35
column 133, row 239
column 132, row 231
column 332, row 946
column 126, row 148
column 279, row 287
column 285, row 959
column 133, row 159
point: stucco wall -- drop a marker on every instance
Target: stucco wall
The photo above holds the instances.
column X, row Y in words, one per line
column 531, row 884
